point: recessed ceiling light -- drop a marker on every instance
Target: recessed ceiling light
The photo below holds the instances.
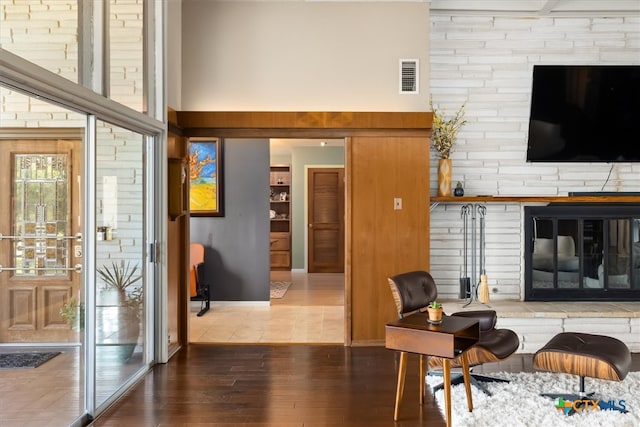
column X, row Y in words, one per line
column 323, row 143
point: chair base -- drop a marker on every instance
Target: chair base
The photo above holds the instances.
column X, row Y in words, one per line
column 205, row 304
column 476, row 380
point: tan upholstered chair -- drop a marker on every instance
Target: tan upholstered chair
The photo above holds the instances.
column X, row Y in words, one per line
column 413, row 291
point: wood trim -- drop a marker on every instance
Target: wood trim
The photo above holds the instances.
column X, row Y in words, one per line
column 348, row 246
column 172, row 116
column 304, row 120
column 42, row 133
column 238, row 124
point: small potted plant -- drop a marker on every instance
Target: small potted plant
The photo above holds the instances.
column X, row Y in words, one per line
column 434, row 309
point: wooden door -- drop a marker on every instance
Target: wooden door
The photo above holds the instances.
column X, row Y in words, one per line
column 40, row 246
column 385, row 240
column 326, row 220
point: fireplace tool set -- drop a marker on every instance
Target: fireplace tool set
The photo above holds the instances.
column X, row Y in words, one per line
column 474, row 288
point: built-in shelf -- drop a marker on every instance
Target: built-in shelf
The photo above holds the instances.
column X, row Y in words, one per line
column 280, row 205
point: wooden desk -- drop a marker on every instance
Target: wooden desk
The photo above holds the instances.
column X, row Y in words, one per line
column 452, row 337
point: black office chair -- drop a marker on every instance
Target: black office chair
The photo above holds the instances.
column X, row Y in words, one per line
column 413, row 291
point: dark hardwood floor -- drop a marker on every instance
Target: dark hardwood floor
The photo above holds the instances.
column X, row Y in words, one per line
column 284, row 386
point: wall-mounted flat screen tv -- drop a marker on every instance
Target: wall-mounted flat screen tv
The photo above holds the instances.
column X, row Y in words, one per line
column 585, row 113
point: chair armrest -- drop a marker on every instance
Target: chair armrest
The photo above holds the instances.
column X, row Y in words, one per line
column 487, row 318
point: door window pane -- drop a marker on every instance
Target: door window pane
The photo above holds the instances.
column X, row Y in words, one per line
column 40, row 213
column 120, row 253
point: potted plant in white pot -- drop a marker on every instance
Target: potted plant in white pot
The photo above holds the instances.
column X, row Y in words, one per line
column 121, row 278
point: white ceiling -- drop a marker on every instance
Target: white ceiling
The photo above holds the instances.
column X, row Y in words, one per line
column 540, row 7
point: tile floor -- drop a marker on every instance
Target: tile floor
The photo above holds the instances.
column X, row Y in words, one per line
column 312, row 311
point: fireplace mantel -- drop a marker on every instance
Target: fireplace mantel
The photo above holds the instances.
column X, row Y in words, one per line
column 537, row 199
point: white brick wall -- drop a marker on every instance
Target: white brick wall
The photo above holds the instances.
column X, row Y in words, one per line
column 488, row 62
column 44, row 32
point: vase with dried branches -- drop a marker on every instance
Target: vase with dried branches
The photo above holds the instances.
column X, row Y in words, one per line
column 443, row 137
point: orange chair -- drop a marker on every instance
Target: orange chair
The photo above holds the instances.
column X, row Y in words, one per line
column 199, row 290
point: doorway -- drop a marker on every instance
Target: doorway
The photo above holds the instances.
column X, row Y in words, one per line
column 320, row 295
column 325, row 220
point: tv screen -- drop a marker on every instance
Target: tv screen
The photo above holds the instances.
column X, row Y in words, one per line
column 585, row 113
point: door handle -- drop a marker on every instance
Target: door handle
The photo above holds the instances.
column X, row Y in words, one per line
column 77, row 236
column 77, row 268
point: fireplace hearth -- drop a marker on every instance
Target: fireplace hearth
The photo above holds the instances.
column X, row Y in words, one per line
column 582, row 252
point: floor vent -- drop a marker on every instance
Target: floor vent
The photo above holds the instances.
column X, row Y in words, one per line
column 409, row 76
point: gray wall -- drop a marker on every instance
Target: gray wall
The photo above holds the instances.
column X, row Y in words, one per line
column 237, row 245
column 300, row 158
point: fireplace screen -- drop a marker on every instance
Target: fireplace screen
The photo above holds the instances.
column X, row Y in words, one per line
column 590, row 252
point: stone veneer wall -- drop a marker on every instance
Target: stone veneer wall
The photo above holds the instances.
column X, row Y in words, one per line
column 488, row 61
column 535, row 332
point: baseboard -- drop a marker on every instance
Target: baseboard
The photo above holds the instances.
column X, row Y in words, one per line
column 367, row 343
column 241, row 303
column 195, row 305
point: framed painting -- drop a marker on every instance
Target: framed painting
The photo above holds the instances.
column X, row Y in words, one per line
column 205, row 177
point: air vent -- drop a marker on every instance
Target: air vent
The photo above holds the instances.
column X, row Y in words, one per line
column 409, row 76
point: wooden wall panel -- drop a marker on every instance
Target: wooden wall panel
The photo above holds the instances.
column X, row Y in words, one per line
column 177, row 247
column 384, row 241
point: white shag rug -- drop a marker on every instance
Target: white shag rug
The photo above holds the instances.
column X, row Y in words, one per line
column 519, row 404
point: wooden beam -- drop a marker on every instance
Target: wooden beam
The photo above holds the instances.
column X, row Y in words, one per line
column 304, row 123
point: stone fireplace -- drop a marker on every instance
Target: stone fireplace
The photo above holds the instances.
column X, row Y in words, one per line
column 582, row 252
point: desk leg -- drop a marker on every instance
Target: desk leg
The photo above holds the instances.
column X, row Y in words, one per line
column 423, row 374
column 467, row 380
column 446, row 372
column 402, row 369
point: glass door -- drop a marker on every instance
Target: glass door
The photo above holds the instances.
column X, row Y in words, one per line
column 121, row 274
column 42, row 265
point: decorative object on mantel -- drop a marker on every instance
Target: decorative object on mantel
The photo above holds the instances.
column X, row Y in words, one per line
column 444, row 177
column 443, row 136
column 458, row 191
